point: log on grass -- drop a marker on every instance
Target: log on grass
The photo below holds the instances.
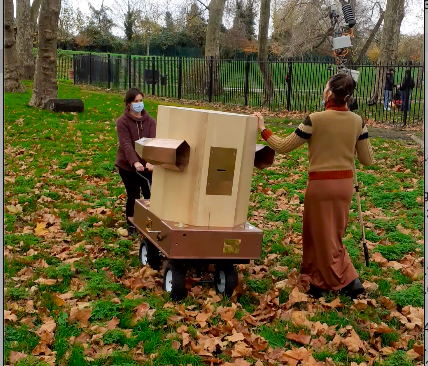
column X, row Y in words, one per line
column 65, row 105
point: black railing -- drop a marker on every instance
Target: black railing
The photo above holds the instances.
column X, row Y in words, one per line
column 296, row 85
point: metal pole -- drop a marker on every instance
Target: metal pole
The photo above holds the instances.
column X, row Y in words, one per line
column 289, row 73
column 74, row 69
column 360, row 214
column 247, row 83
column 108, row 71
column 129, row 71
column 153, row 75
column 210, row 90
column 90, row 68
column 180, row 76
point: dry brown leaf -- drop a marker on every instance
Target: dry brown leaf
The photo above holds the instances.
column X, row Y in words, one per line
column 14, row 357
column 353, row 342
column 235, row 337
column 384, row 328
column 295, row 297
column 239, row 362
column 370, row 286
column 186, row 338
column 332, row 305
column 8, row 315
column 46, row 331
column 203, row 317
column 402, row 230
column 419, row 348
column 389, row 304
column 40, row 229
column 122, row 232
column 46, row 281
column 387, row 351
column 302, row 337
column 40, row 349
column 241, row 350
column 360, row 304
column 296, row 356
column 175, row 345
column 113, row 323
column 82, row 338
column 413, row 355
column 227, row 314
column 378, row 258
column 81, row 315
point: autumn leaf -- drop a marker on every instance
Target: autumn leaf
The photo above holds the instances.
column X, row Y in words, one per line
column 227, row 314
column 235, row 337
column 14, row 357
column 185, row 338
column 378, row 258
column 402, row 230
column 175, row 345
column 302, row 337
column 295, row 297
column 122, row 232
column 370, row 286
column 113, row 323
column 81, row 315
column 14, row 209
column 353, row 342
column 360, row 304
column 419, row 348
column 8, row 315
column 40, row 229
column 332, row 305
column 241, row 350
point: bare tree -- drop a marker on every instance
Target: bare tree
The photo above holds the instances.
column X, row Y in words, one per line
column 394, row 14
column 27, row 24
column 45, row 78
column 12, row 80
column 263, row 52
column 212, row 46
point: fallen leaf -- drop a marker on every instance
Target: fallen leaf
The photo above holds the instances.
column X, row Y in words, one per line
column 185, row 338
column 113, row 323
column 14, row 357
column 370, row 286
column 81, row 315
column 302, row 337
column 378, row 258
column 175, row 345
column 419, row 348
column 40, row 229
column 295, row 297
column 387, row 351
column 235, row 337
column 332, row 305
column 122, row 232
column 241, row 350
column 14, row 209
column 384, row 328
column 82, row 338
column 353, row 342
column 402, row 230
column 360, row 304
column 46, row 281
column 9, row 316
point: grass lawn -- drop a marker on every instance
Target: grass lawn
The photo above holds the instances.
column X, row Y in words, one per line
column 75, row 293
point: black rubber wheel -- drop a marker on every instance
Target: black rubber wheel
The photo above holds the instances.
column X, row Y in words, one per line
column 149, row 254
column 174, row 280
column 225, row 278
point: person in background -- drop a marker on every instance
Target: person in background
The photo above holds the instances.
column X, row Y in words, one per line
column 406, row 89
column 332, row 136
column 136, row 173
column 389, row 86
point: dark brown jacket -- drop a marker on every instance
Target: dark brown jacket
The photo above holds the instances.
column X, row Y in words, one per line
column 130, row 129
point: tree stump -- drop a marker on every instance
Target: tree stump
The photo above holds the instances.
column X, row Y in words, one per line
column 65, row 105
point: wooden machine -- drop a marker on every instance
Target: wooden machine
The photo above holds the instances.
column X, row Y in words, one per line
column 203, row 166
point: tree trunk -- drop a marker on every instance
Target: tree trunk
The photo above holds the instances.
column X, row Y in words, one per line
column 369, row 41
column 212, row 47
column 12, row 80
column 27, row 21
column 263, row 52
column 394, row 14
column 45, row 78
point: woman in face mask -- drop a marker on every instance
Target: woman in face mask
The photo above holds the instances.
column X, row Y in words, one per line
column 135, row 172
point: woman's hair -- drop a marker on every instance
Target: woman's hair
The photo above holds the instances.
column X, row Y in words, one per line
column 342, row 86
column 131, row 94
column 407, row 74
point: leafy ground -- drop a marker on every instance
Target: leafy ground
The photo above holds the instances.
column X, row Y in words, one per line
column 75, row 293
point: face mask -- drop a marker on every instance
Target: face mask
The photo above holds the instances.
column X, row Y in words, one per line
column 137, row 107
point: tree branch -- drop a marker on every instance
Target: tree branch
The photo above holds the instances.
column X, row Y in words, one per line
column 35, row 10
column 200, row 2
column 370, row 39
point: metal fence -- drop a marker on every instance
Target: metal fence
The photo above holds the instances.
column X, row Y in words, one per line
column 297, row 85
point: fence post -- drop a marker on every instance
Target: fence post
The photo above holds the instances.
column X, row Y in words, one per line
column 210, row 88
column 129, row 71
column 153, row 75
column 74, row 69
column 289, row 73
column 180, row 76
column 108, row 71
column 247, row 82
column 90, row 68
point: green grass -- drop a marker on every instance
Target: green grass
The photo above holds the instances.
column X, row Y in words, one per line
column 39, row 145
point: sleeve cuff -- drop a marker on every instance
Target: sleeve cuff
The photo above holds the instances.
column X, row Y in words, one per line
column 266, row 134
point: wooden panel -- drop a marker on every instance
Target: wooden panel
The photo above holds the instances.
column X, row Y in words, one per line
column 181, row 196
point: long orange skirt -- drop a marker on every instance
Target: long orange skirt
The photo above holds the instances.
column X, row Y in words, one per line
column 326, row 262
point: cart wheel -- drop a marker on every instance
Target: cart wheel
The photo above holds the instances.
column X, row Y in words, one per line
column 149, row 254
column 226, row 279
column 174, row 280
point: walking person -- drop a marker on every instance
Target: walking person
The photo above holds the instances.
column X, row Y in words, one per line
column 332, row 136
column 389, row 86
column 136, row 173
column 406, row 89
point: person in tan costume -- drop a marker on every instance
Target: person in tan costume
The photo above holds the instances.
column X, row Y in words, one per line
column 332, row 136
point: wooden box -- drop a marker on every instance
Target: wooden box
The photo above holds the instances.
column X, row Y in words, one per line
column 214, row 188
